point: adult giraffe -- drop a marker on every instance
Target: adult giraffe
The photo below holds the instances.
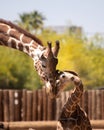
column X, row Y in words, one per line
column 45, row 60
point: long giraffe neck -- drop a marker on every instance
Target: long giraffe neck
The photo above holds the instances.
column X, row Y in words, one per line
column 14, row 37
column 73, row 100
column 17, row 38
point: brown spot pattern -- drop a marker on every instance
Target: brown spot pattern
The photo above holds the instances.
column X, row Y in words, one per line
column 3, row 28
column 20, row 46
column 15, row 34
column 13, row 44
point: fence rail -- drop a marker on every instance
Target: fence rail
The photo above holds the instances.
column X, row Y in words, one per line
column 45, row 125
column 24, row 105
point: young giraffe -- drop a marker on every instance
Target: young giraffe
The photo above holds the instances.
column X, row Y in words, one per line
column 72, row 117
column 14, row 37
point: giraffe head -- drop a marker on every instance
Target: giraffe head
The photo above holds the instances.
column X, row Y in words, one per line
column 64, row 78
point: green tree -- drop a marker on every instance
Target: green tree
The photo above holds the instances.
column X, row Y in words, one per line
column 17, row 70
column 32, row 22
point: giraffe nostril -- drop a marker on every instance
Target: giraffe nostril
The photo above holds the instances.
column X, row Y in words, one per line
column 50, row 80
column 57, row 82
column 72, row 78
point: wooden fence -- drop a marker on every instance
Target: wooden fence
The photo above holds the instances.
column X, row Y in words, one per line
column 24, row 105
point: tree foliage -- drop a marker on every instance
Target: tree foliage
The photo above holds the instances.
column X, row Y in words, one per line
column 17, row 70
column 32, row 22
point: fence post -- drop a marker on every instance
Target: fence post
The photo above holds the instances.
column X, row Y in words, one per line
column 11, row 105
column 29, row 106
column 6, row 105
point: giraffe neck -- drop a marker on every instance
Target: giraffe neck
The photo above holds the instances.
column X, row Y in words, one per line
column 17, row 38
column 14, row 37
column 73, row 100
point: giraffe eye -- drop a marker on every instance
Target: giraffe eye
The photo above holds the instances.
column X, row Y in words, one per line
column 63, row 76
column 43, row 66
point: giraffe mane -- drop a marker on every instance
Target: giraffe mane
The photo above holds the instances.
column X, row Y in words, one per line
column 72, row 72
column 22, row 31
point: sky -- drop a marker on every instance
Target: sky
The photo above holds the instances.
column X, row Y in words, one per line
column 88, row 14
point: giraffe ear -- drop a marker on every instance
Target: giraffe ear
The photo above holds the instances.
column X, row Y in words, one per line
column 72, row 72
column 55, row 49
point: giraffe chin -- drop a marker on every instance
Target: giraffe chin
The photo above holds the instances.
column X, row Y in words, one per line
column 51, row 92
column 48, row 88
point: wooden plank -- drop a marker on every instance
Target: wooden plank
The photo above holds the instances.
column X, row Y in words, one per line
column 98, row 104
column 97, row 124
column 90, row 104
column 6, row 105
column 35, row 105
column 29, row 106
column 86, row 101
column 40, row 105
column 11, row 104
column 37, row 125
column 24, row 105
column 102, row 102
column 44, row 104
column 1, row 105
column 93, row 104
column 17, row 105
column 45, row 125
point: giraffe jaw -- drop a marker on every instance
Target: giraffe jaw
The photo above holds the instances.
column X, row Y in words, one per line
column 52, row 92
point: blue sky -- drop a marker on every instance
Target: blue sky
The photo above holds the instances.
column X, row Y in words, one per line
column 86, row 13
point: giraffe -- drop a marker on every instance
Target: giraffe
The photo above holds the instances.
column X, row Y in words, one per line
column 45, row 59
column 72, row 117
